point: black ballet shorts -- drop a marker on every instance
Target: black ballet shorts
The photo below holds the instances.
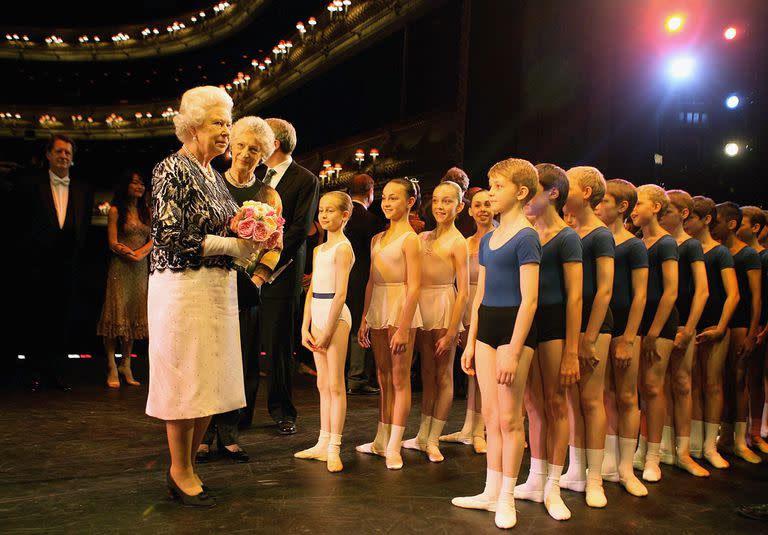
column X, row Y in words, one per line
column 549, row 322
column 620, row 318
column 605, row 328
column 495, row 325
column 669, row 331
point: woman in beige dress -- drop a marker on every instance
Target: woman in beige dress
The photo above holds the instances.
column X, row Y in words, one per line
column 124, row 315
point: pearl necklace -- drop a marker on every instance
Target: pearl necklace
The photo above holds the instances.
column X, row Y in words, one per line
column 251, row 181
column 207, row 172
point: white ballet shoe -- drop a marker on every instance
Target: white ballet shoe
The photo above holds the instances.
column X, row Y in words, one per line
column 482, row 502
column 526, row 492
column 458, row 437
column 633, row 486
column 575, row 485
column 479, row 445
column 334, row 463
column 667, row 457
column 394, row 460
column 595, row 494
column 747, row 454
column 651, row 472
column 714, row 458
column 313, row 453
column 434, row 454
column 506, row 515
column 556, row 507
column 371, row 449
column 696, row 454
column 414, row 444
column 691, row 466
column 638, row 461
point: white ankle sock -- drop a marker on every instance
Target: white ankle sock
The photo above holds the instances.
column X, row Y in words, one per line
column 433, row 440
column 764, row 421
column 740, row 447
column 709, row 448
column 533, row 488
column 487, row 499
column 667, row 451
column 575, row 478
column 394, row 460
column 610, row 469
column 638, row 461
column 552, row 500
column 594, row 486
column 697, row 438
column 651, row 469
column 334, row 453
column 478, row 425
column 683, row 458
column 506, row 515
column 419, row 442
column 379, row 444
column 627, row 477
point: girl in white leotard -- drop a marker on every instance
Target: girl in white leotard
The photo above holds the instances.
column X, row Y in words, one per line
column 391, row 313
column 444, row 291
column 325, row 329
column 473, row 430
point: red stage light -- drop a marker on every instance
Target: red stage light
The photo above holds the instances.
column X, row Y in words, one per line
column 730, row 33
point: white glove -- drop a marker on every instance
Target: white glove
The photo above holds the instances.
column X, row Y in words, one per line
column 236, row 247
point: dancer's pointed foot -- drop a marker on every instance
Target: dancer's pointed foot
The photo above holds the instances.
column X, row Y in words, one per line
column 459, row 437
column 747, row 454
column 414, row 444
column 371, row 449
column 692, row 467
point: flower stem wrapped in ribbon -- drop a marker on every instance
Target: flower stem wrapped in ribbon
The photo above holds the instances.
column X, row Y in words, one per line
column 259, row 222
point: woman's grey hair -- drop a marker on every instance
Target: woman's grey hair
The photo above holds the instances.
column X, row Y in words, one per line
column 195, row 104
column 265, row 138
column 285, row 133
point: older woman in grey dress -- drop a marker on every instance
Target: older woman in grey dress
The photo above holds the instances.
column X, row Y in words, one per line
column 194, row 341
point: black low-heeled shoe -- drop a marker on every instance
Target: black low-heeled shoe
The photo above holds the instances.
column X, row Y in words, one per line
column 238, row 456
column 202, row 457
column 199, row 500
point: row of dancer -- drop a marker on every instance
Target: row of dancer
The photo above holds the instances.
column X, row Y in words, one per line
column 551, row 305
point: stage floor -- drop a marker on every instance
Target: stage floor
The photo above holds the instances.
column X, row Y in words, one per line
column 90, row 461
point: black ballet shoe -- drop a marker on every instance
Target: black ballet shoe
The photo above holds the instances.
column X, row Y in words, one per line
column 202, row 499
column 238, row 456
column 202, row 457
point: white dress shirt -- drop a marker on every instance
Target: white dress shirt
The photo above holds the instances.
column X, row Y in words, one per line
column 280, row 170
column 60, row 194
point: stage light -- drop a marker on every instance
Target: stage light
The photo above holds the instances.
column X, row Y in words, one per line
column 674, row 23
column 732, row 102
column 730, row 33
column 681, row 67
column 731, row 149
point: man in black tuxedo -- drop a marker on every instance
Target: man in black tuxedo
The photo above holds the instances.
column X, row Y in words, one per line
column 54, row 218
column 299, row 190
column 361, row 228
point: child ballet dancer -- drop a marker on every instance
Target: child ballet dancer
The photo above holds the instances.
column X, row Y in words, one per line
column 391, row 313
column 326, row 325
column 507, row 292
column 753, row 222
column 692, row 294
column 744, row 329
column 630, row 285
column 585, row 401
column 659, row 325
column 555, row 363
column 714, row 334
column 473, row 430
column 444, row 293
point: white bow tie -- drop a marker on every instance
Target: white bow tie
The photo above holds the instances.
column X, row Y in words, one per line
column 60, row 181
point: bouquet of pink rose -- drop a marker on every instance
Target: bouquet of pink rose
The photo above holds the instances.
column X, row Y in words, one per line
column 259, row 222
